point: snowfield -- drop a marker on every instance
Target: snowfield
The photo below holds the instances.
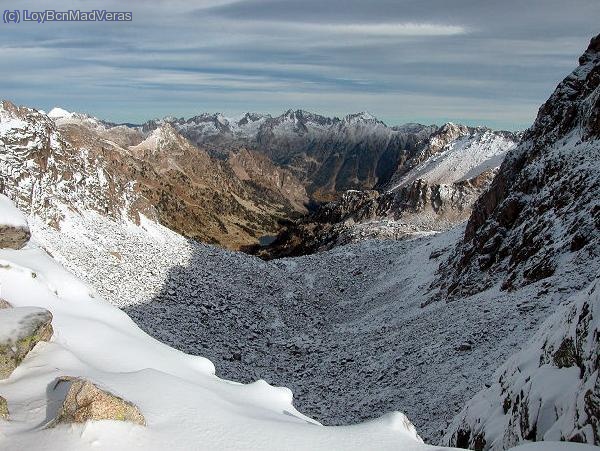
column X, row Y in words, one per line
column 462, row 159
column 10, row 216
column 344, row 329
column 185, row 405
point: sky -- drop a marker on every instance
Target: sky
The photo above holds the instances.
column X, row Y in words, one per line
column 431, row 61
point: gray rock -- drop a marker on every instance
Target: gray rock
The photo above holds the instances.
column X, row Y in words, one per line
column 85, row 401
column 3, row 409
column 13, row 237
column 20, row 330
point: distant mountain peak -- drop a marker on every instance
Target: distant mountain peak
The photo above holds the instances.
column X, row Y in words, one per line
column 362, row 117
column 58, row 113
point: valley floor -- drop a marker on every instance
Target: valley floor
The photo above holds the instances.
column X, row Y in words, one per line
column 348, row 335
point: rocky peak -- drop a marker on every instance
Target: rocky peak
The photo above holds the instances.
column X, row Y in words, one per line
column 9, row 111
column 446, row 133
column 248, row 118
column 574, row 103
column 362, row 118
column 303, row 118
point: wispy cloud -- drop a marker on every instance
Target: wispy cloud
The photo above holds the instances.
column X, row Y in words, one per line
column 488, row 62
column 382, row 29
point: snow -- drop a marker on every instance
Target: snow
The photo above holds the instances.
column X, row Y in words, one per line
column 8, row 121
column 462, row 159
column 341, row 328
column 58, row 113
column 9, row 215
column 63, row 117
column 185, row 405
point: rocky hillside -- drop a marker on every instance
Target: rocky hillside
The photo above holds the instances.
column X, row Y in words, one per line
column 432, row 191
column 542, row 211
column 68, row 163
column 538, row 223
column 548, row 391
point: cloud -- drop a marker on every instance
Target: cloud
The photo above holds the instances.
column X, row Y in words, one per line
column 368, row 29
column 487, row 62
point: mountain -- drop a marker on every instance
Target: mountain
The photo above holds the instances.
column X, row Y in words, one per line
column 541, row 213
column 539, row 223
column 431, row 191
column 419, row 325
column 328, row 155
column 72, row 163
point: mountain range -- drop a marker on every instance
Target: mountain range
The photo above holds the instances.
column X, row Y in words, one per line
column 476, row 316
column 233, row 182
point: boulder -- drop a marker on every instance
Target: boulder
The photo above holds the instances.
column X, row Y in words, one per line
column 20, row 330
column 85, row 401
column 3, row 409
column 13, row 237
column 14, row 232
column 4, row 304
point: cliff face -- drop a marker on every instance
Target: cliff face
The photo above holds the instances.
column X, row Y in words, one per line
column 542, row 209
column 549, row 391
column 540, row 220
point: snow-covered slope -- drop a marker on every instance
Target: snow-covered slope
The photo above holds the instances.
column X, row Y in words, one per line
column 540, row 221
column 548, row 391
column 185, row 406
column 471, row 153
column 340, row 328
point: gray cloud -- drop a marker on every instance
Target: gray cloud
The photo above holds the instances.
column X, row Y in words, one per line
column 467, row 60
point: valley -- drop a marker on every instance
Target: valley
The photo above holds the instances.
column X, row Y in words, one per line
column 446, row 272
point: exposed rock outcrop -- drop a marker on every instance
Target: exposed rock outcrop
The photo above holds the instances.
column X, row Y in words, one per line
column 20, row 330
column 85, row 401
column 542, row 209
column 13, row 237
column 418, row 207
column 14, row 232
column 548, row 391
